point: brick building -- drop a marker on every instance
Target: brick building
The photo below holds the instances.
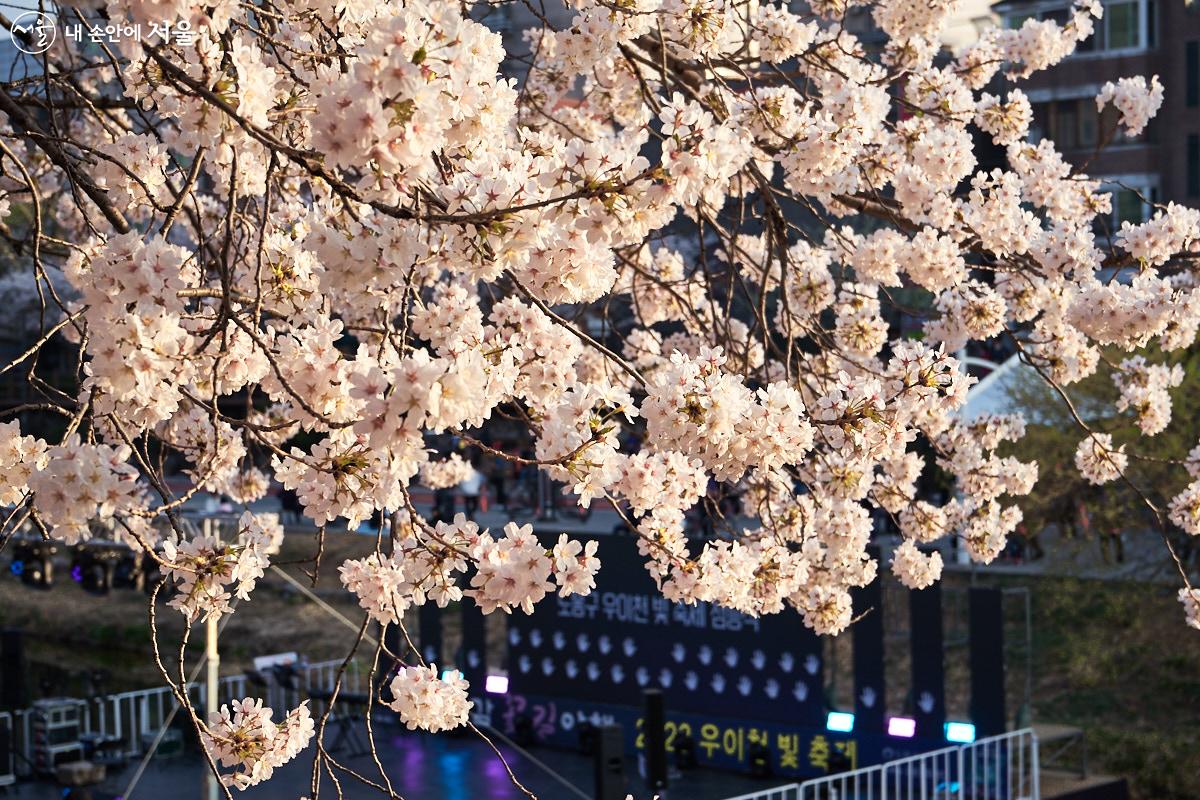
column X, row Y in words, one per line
column 1135, row 37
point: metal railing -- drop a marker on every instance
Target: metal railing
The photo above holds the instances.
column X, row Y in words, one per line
column 789, row 792
column 129, row 720
column 1003, row 767
column 323, row 674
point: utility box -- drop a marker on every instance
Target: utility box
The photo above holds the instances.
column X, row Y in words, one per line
column 56, row 727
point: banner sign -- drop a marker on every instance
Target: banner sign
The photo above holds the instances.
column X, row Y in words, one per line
column 624, row 637
column 733, row 685
column 719, row 742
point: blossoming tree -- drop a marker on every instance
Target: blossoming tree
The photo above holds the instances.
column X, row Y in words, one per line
column 687, row 226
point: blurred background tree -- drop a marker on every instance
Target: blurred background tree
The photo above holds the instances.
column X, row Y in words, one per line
column 1076, row 508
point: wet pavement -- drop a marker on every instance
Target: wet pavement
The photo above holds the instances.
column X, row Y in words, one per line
column 420, row 767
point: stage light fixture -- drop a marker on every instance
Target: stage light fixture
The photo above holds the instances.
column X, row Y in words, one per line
column 839, row 722
column 960, row 732
column 449, row 675
column 94, row 564
column 902, row 727
column 496, row 684
column 33, row 562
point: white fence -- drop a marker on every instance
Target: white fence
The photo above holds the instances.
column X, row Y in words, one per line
column 128, row 721
column 1001, row 767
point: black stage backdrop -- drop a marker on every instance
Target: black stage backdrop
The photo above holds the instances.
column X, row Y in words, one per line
column 625, row 637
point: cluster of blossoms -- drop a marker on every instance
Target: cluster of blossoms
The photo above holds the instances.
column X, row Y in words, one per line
column 1168, row 232
column 429, row 702
column 1191, row 606
column 245, row 738
column 1098, row 460
column 968, row 452
column 694, row 252
column 448, row 472
column 20, row 457
column 1184, row 510
column 1145, row 390
column 1137, row 101
column 1007, row 122
column 513, row 571
column 204, row 568
column 915, row 569
column 80, row 483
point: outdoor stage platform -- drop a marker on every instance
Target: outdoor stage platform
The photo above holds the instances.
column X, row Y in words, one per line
column 420, row 767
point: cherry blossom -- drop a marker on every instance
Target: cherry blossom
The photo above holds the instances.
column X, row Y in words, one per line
column 681, row 251
column 915, row 569
column 1098, row 460
column 429, row 702
column 204, row 568
column 242, row 735
column 1137, row 101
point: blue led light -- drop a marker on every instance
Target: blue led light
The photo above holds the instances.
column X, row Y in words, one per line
column 840, row 721
column 17, row 568
column 450, row 674
column 961, row 732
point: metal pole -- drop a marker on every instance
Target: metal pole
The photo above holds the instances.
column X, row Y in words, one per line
column 212, row 682
column 211, row 790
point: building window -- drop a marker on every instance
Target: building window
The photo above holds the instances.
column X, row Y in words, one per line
column 1127, row 206
column 1065, row 127
column 1193, row 165
column 498, row 18
column 1126, row 25
column 1075, row 124
column 1191, row 59
column 1132, row 202
column 1123, row 26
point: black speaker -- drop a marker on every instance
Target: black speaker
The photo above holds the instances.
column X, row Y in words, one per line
column 128, row 572
column 870, row 695
column 7, row 767
column 472, row 656
column 987, row 661
column 654, row 737
column 610, row 763
column 388, row 665
column 93, row 568
column 928, row 664
column 429, row 632
column 759, row 756
column 12, row 669
column 33, row 561
column 685, row 752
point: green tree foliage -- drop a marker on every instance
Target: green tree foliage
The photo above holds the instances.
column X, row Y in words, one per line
column 1062, row 497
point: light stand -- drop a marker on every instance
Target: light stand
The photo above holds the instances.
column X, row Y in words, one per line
column 212, row 789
